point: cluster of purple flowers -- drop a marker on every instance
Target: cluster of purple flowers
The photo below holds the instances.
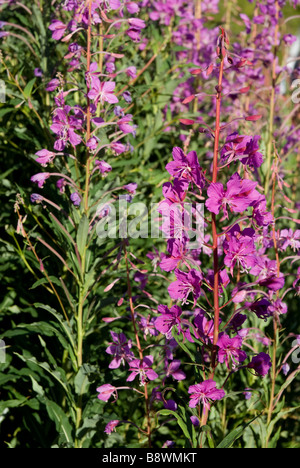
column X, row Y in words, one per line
column 69, row 123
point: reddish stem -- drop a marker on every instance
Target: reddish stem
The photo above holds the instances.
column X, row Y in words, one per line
column 129, row 290
column 214, row 223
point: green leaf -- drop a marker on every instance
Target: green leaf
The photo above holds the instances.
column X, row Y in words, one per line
column 82, row 233
column 182, row 345
column 28, row 88
column 184, row 423
column 81, row 382
column 62, row 423
column 229, row 440
column 36, row 387
column 45, row 280
column 209, row 435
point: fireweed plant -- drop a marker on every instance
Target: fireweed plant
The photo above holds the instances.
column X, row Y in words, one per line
column 231, row 276
column 202, row 355
column 88, row 123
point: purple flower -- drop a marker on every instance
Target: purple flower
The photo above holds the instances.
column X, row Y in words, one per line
column 103, row 166
column 38, row 72
column 61, row 184
column 147, row 326
column 131, row 188
column 92, row 143
column 195, row 421
column 131, row 72
column 204, row 392
column 285, row 368
column 168, row 319
column 40, row 178
column 103, row 92
column 177, row 251
column 247, row 393
column 185, row 284
column 174, row 193
column 277, row 308
column 240, row 249
column 110, row 427
column 64, row 126
column 186, row 167
column 234, row 148
column 127, row 97
column 260, row 308
column 289, row 238
column 229, row 350
column 58, row 29
column 36, row 198
column 240, row 194
column 261, row 364
column 267, row 275
column 118, row 148
column 253, row 157
column 143, row 369
column 106, row 391
column 174, row 371
column 204, row 327
column 75, row 199
column 289, row 39
column 260, row 215
column 120, row 349
column 124, row 124
column 53, row 85
column 171, row 405
column 45, row 157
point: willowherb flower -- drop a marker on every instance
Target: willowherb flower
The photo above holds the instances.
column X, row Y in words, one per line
column 240, row 194
column 124, row 124
column 75, row 198
column 204, row 393
column 285, row 368
column 204, row 328
column 261, row 364
column 240, row 249
column 169, row 318
column 230, row 350
column 103, row 91
column 174, row 371
column 143, row 369
column 289, row 238
column 102, row 166
column 277, row 308
column 267, row 275
column 178, row 254
column 260, row 308
column 45, row 157
column 106, row 391
column 58, row 29
column 186, row 284
column 120, row 349
column 53, row 85
column 186, row 167
column 40, row 178
column 111, row 426
column 64, row 126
